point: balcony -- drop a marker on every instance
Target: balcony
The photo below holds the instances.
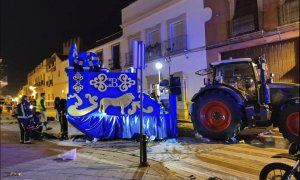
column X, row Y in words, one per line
column 153, row 51
column 49, row 83
column 129, row 58
column 40, row 83
column 169, row 47
column 175, row 45
column 243, row 25
column 289, row 12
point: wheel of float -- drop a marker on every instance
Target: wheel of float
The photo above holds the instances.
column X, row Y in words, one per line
column 216, row 115
column 289, row 122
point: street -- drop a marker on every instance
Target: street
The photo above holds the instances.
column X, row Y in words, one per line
column 186, row 157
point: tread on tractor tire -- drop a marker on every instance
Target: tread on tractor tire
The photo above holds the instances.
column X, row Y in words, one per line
column 289, row 122
column 216, row 115
column 276, row 170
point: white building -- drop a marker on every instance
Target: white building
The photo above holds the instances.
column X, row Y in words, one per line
column 172, row 30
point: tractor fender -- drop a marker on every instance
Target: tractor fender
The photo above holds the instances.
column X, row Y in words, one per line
column 292, row 101
column 237, row 95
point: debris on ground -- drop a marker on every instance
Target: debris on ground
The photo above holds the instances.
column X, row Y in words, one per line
column 192, row 177
column 14, row 174
column 151, row 138
column 200, row 137
column 69, row 155
column 214, row 178
column 256, row 142
column 269, row 132
column 242, row 141
column 270, row 140
column 167, row 150
column 171, row 141
column 232, row 140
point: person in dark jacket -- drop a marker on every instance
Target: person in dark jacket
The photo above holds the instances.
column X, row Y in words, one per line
column 24, row 117
column 63, row 120
column 57, row 108
column 36, row 127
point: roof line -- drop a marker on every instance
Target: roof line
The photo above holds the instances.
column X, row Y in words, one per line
column 109, row 36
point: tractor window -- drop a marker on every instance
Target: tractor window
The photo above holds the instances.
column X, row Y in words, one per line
column 240, row 75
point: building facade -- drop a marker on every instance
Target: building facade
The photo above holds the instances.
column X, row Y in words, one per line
column 174, row 34
column 249, row 28
column 185, row 36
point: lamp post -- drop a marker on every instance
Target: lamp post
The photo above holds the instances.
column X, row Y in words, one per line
column 158, row 66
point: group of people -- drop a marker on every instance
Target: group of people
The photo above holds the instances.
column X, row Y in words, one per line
column 33, row 119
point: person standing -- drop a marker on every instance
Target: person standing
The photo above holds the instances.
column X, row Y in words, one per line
column 57, row 108
column 63, row 120
column 41, row 108
column 24, row 117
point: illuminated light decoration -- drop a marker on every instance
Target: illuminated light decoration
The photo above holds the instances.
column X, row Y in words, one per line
column 106, row 105
column 32, row 88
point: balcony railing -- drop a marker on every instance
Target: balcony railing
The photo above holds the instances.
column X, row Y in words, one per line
column 243, row 25
column 175, row 45
column 171, row 46
column 49, row 83
column 153, row 51
column 289, row 12
column 129, row 58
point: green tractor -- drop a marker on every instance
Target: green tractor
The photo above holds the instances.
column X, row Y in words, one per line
column 240, row 95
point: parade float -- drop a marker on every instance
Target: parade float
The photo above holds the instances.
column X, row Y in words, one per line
column 106, row 105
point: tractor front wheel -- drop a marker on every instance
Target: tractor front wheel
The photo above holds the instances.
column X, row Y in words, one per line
column 216, row 115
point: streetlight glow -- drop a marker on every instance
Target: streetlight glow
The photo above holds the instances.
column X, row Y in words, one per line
column 158, row 66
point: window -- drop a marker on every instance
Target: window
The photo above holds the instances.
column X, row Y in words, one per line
column 131, row 40
column 177, row 34
column 129, row 54
column 116, row 56
column 153, row 47
column 177, row 29
column 245, row 19
column 100, row 55
column 153, row 37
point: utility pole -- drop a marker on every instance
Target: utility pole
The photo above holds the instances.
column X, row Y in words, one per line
column 139, row 63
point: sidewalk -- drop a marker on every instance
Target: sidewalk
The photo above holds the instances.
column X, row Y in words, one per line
column 91, row 162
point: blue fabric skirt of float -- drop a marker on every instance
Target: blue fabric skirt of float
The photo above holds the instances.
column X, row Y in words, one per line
column 104, row 126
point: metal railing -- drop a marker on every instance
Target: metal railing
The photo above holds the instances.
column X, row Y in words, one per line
column 243, row 25
column 129, row 58
column 153, row 51
column 289, row 12
column 171, row 46
column 175, row 45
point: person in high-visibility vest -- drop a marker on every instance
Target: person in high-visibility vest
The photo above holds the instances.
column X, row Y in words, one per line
column 41, row 108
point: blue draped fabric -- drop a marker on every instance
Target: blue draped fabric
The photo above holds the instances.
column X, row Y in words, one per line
column 104, row 126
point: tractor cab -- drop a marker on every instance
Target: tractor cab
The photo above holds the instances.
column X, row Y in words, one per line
column 240, row 74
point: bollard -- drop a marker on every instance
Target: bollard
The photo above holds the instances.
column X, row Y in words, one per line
column 144, row 162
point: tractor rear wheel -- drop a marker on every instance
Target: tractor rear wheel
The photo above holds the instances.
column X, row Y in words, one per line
column 289, row 122
column 217, row 116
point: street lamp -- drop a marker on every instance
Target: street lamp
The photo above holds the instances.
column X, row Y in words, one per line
column 158, row 66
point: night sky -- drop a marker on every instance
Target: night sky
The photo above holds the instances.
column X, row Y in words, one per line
column 32, row 30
